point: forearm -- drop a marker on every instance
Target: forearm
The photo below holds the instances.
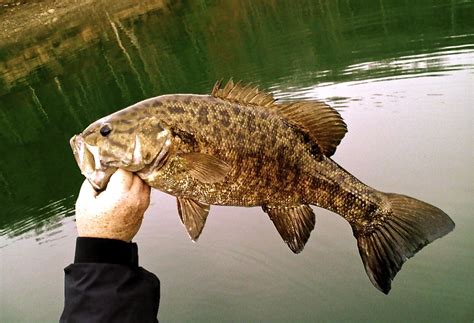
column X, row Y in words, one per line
column 105, row 284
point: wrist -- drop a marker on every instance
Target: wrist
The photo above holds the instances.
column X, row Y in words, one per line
column 110, row 226
column 104, row 250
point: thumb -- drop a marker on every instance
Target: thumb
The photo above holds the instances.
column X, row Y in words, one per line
column 87, row 197
column 87, row 191
column 120, row 182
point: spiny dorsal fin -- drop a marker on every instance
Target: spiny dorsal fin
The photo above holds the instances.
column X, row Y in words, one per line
column 323, row 124
column 293, row 223
column 193, row 215
column 245, row 94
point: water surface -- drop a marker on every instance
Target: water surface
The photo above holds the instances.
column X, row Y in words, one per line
column 401, row 75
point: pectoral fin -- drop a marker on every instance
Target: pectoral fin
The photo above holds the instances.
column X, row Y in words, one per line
column 193, row 215
column 206, row 168
column 293, row 223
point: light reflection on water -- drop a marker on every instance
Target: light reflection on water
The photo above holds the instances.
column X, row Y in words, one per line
column 243, row 244
column 440, row 63
column 44, row 223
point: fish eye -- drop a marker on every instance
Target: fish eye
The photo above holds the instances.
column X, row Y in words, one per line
column 105, row 130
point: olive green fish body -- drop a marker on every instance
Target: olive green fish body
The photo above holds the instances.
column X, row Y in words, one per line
column 256, row 143
column 253, row 142
column 239, row 147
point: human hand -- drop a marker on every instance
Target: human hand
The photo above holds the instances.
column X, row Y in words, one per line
column 115, row 213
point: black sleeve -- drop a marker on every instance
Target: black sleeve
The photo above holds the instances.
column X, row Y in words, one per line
column 105, row 284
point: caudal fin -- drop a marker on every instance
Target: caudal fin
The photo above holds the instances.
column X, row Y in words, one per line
column 384, row 246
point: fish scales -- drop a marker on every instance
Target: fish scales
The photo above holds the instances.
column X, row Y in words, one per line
column 262, row 173
column 229, row 143
column 240, row 147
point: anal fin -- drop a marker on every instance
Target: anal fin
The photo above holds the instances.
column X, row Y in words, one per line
column 293, row 223
column 193, row 215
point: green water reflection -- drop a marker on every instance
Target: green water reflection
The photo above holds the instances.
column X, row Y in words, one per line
column 52, row 84
column 56, row 79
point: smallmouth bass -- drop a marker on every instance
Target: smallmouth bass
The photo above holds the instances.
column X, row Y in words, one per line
column 239, row 147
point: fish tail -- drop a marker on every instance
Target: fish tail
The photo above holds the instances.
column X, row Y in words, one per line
column 408, row 226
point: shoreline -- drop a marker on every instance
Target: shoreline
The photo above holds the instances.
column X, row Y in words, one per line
column 19, row 19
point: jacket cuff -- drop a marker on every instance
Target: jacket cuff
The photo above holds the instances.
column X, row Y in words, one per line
column 97, row 250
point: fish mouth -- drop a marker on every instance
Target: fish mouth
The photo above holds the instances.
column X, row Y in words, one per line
column 88, row 160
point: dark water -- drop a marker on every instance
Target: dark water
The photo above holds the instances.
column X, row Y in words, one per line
column 400, row 73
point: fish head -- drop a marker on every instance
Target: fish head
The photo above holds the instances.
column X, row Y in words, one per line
column 121, row 140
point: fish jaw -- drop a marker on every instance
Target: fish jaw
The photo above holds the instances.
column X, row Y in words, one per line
column 88, row 160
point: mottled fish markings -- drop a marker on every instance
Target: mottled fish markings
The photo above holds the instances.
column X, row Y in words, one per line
column 176, row 109
column 239, row 146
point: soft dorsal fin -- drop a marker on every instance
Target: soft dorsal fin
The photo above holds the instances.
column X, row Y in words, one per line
column 293, row 223
column 323, row 124
column 245, row 94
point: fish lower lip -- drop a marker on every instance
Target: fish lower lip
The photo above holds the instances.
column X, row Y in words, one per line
column 94, row 151
column 82, row 155
column 100, row 178
column 97, row 172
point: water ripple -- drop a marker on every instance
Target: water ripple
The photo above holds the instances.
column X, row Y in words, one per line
column 44, row 223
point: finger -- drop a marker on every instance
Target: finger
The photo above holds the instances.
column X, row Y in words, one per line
column 146, row 189
column 141, row 190
column 146, row 195
column 137, row 184
column 120, row 181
